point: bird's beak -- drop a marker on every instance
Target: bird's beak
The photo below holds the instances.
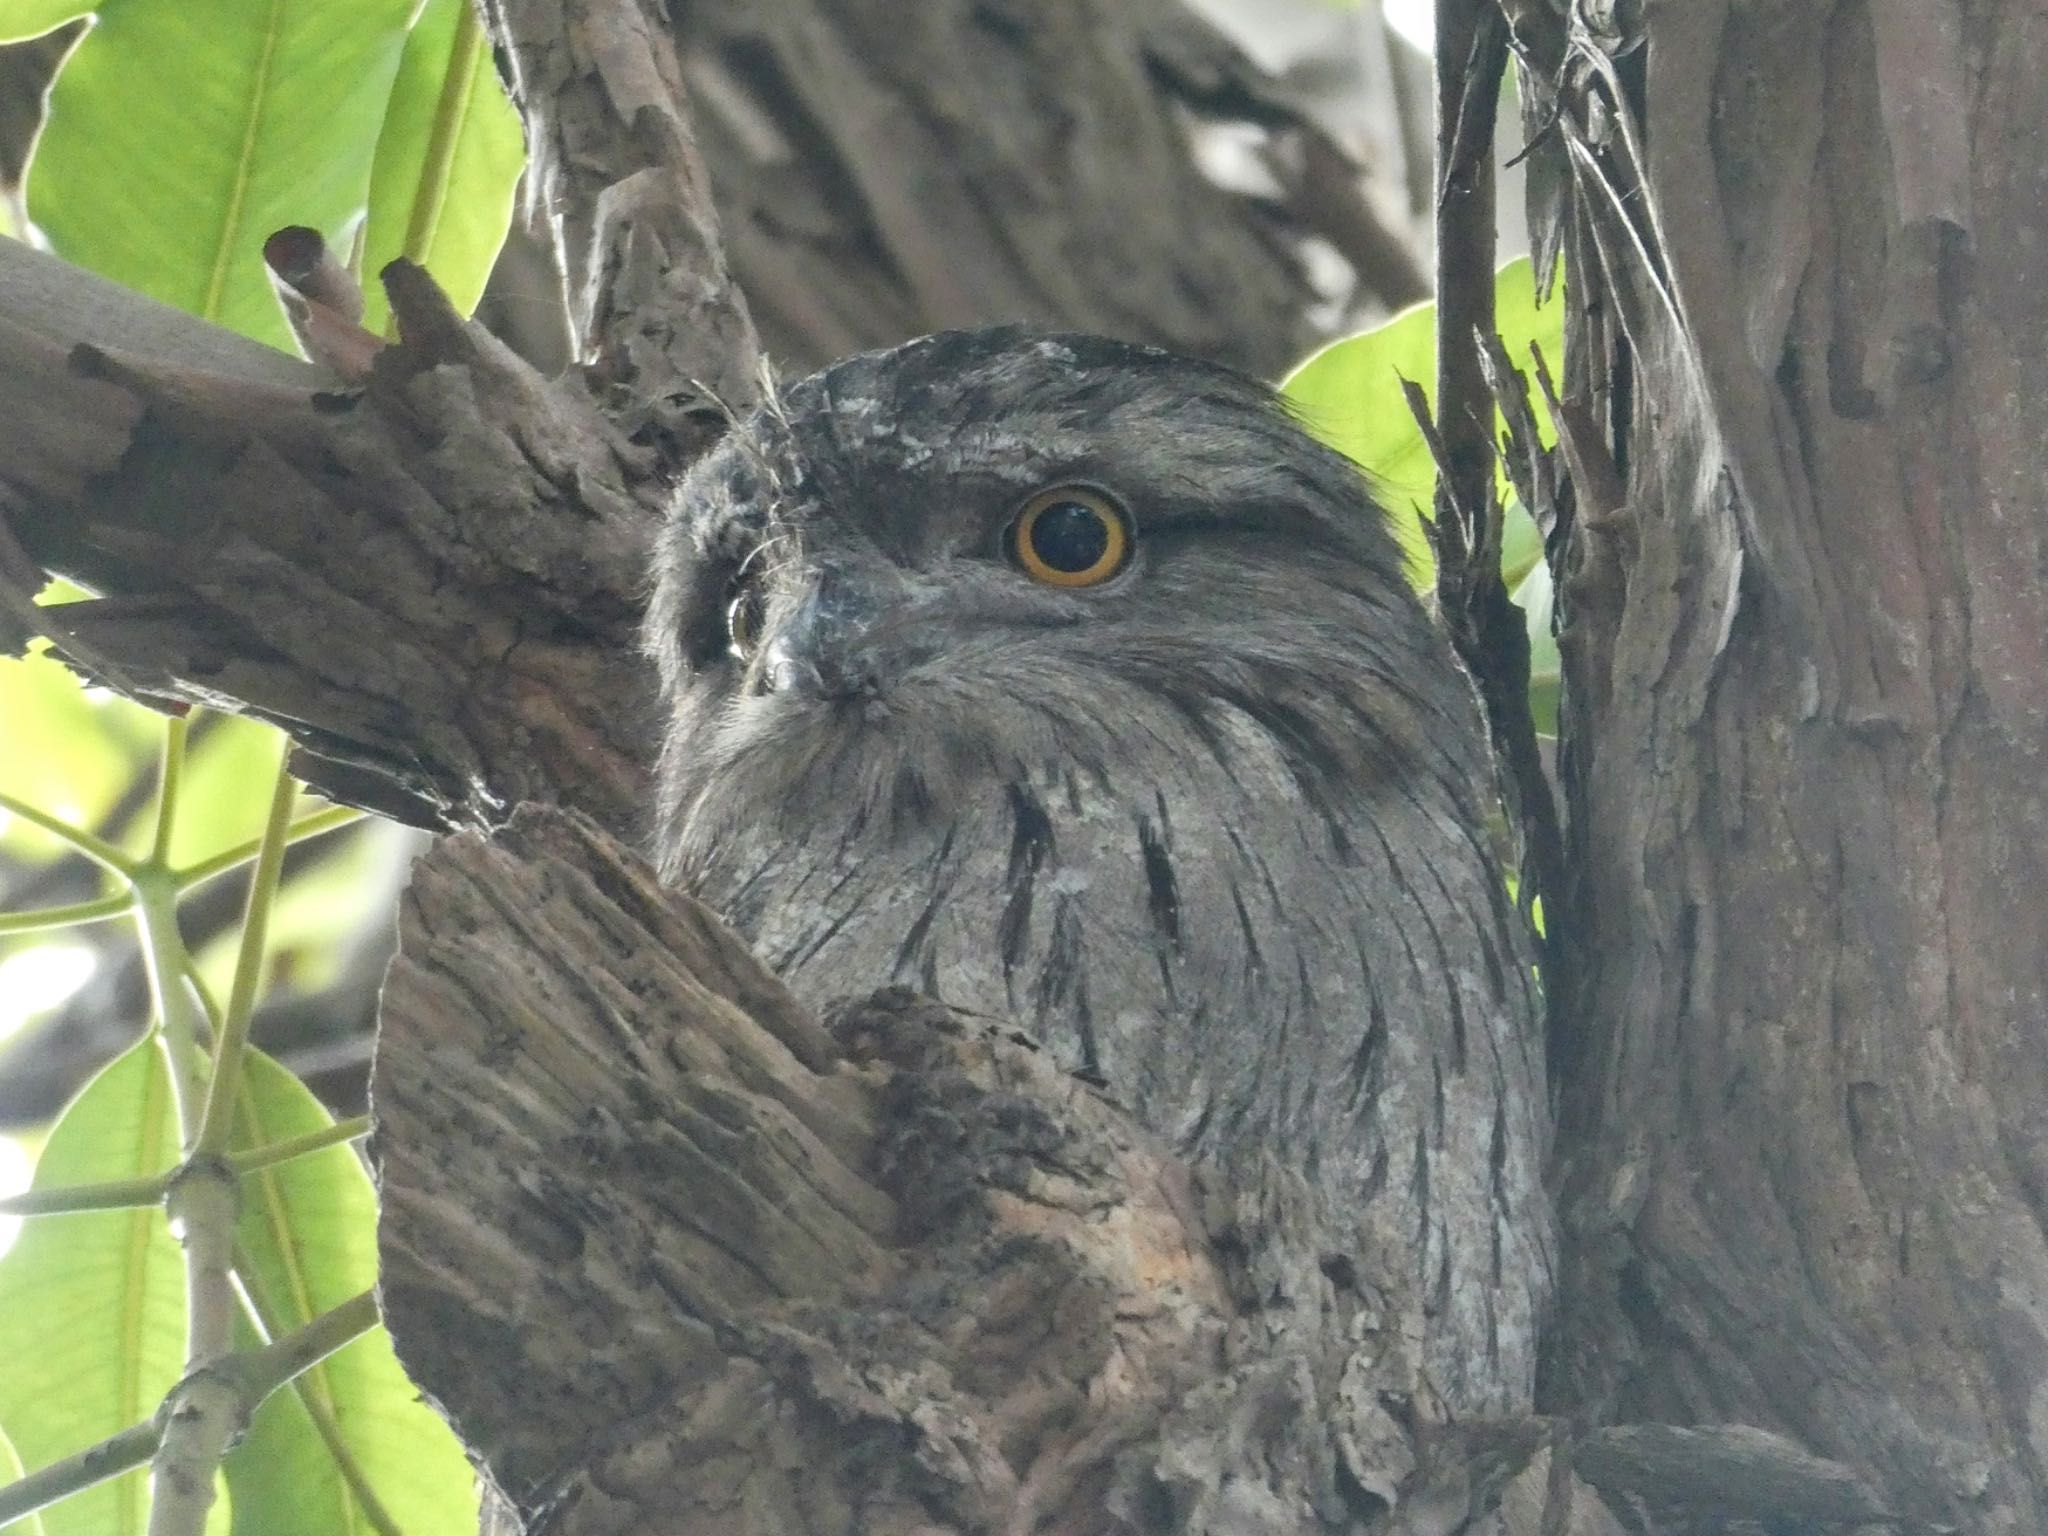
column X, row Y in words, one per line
column 825, row 648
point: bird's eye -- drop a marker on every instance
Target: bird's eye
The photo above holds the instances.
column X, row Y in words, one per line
column 745, row 611
column 1070, row 536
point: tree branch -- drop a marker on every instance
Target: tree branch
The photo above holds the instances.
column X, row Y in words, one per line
column 430, row 581
column 613, row 165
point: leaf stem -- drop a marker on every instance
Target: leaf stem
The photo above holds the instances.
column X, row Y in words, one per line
column 335, row 816
column 465, row 54
column 65, row 917
column 102, row 853
column 233, row 1040
column 236, row 1387
column 177, row 728
column 74, row 1474
column 114, row 1195
column 298, row 1146
column 205, row 1412
column 174, row 1006
column 128, row 1194
column 315, row 1397
column 264, row 1370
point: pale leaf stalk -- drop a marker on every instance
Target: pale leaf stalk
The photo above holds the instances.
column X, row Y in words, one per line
column 233, row 1042
column 101, row 852
column 76, row 1473
column 173, row 1011
column 206, row 1411
column 114, row 1195
column 312, row 1392
column 130, row 1194
column 329, row 820
column 76, row 914
column 250, row 1161
column 240, row 1384
column 465, row 58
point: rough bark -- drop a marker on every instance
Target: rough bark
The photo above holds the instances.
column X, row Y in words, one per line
column 1803, row 1054
column 613, row 170
column 719, row 1271
column 676, row 1259
column 429, row 580
column 880, row 178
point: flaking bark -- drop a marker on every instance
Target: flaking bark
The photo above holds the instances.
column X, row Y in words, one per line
column 1806, row 649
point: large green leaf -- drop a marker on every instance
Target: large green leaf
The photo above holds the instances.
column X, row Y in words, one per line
column 464, row 213
column 309, row 1232
column 92, row 1320
column 24, row 19
column 65, row 749
column 180, row 135
column 1349, row 395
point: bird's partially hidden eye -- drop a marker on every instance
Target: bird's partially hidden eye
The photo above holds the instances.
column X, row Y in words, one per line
column 746, row 610
column 1070, row 536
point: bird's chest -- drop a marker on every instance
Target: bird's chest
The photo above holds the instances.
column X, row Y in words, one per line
column 1135, row 934
column 1254, row 981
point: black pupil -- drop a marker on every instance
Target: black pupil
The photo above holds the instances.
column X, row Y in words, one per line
column 1069, row 536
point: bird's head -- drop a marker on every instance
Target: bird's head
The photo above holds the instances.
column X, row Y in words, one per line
column 922, row 574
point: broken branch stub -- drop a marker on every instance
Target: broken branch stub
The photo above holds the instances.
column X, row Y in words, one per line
column 430, row 579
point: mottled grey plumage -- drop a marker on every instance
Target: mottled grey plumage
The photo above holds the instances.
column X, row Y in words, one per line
column 1210, row 831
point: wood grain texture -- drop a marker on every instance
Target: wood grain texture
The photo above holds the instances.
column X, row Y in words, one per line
column 428, row 580
column 1805, row 655
column 993, row 160
column 614, row 171
column 667, row 1272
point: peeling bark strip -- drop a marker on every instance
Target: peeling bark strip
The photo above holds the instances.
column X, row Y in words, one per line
column 613, row 167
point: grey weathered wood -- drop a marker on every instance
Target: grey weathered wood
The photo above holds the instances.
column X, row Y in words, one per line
column 879, row 177
column 1807, row 679
column 666, row 1273
column 429, row 580
column 613, row 169
column 675, row 1261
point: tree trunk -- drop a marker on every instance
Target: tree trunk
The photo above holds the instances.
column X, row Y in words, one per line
column 1803, row 1060
column 677, row 1258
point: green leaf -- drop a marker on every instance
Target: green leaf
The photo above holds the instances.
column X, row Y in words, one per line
column 1546, row 668
column 181, row 135
column 66, row 749
column 446, row 79
column 21, row 20
column 309, row 1232
column 1349, row 395
column 92, row 1305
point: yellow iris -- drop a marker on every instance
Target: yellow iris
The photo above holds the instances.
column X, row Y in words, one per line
column 1070, row 536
